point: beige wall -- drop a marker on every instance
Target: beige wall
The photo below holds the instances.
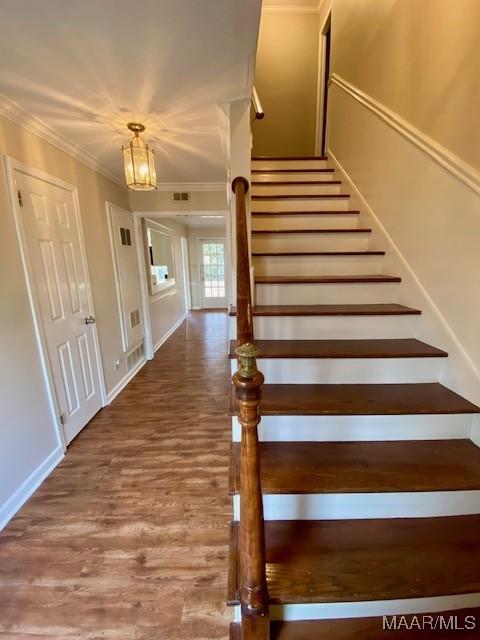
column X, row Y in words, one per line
column 420, row 58
column 27, row 435
column 163, row 201
column 167, row 308
column 286, row 80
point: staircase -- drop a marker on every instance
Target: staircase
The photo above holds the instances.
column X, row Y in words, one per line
column 371, row 484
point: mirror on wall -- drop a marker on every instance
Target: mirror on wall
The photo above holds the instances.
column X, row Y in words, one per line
column 161, row 258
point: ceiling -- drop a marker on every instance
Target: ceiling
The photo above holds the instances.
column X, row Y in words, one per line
column 86, row 68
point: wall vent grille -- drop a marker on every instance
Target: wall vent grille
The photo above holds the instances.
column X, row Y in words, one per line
column 134, row 357
column 183, row 196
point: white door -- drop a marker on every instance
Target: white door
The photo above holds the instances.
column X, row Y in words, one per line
column 58, row 278
column 212, row 272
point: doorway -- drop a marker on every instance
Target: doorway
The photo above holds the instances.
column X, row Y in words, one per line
column 323, row 82
column 212, row 273
column 51, row 241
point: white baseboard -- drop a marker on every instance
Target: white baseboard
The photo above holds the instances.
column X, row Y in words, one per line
column 196, row 308
column 29, row 486
column 166, row 336
column 464, row 377
column 125, row 380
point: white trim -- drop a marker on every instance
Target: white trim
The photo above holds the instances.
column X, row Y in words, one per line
column 12, row 165
column 14, row 112
column 116, row 274
column 125, row 380
column 191, row 186
column 167, row 335
column 448, row 160
column 144, row 293
column 29, row 486
column 364, row 506
column 374, row 608
column 322, row 55
column 429, row 303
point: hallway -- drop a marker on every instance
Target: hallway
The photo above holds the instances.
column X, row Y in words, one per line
column 128, row 536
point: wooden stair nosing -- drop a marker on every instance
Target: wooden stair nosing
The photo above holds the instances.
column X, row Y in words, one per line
column 305, row 170
column 344, row 349
column 275, row 158
column 385, row 309
column 305, row 196
column 330, row 561
column 331, row 279
column 394, row 399
column 408, row 466
column 273, row 214
column 272, row 254
column 289, row 183
column 342, row 230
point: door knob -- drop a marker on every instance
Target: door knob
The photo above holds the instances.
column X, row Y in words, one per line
column 89, row 320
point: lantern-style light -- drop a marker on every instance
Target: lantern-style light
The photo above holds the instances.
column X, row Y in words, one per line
column 139, row 161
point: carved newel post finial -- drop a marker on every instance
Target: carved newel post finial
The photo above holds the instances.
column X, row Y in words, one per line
column 247, row 354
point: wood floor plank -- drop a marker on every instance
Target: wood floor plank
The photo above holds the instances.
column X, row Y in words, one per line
column 365, row 467
column 361, row 560
column 380, row 348
column 128, row 538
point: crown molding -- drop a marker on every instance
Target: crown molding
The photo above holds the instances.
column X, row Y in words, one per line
column 291, row 9
column 14, row 112
column 192, row 186
column 443, row 156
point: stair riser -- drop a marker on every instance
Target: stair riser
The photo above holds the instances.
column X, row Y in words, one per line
column 349, row 371
column 265, row 165
column 296, row 189
column 358, row 293
column 310, row 242
column 373, row 608
column 364, row 506
column 301, row 176
column 360, row 428
column 297, row 221
column 316, row 265
column 331, row 327
column 302, row 204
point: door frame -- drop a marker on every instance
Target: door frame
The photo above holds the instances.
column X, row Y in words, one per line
column 199, row 252
column 320, row 143
column 11, row 165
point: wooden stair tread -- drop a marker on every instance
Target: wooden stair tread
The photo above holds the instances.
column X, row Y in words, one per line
column 365, row 467
column 275, row 183
column 302, row 196
column 272, row 214
column 293, row 170
column 380, row 348
column 361, row 560
column 391, row 309
column 362, row 399
column 289, row 158
column 378, row 278
column 303, row 231
column 317, row 253
column 371, row 628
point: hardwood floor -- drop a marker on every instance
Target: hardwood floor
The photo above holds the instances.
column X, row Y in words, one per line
column 128, row 538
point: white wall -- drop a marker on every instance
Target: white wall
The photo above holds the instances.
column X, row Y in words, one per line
column 167, row 309
column 194, row 234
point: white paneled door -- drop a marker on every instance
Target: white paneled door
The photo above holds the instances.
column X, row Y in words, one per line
column 212, row 271
column 58, row 280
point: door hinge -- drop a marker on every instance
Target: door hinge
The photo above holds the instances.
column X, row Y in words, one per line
column 20, row 199
column 61, row 419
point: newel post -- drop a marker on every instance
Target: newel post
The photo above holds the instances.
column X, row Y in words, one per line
column 248, row 383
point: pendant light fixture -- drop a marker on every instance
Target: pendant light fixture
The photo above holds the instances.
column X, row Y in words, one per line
column 139, row 161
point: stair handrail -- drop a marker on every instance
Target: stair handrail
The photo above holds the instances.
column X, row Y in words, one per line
column 248, row 382
column 257, row 105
